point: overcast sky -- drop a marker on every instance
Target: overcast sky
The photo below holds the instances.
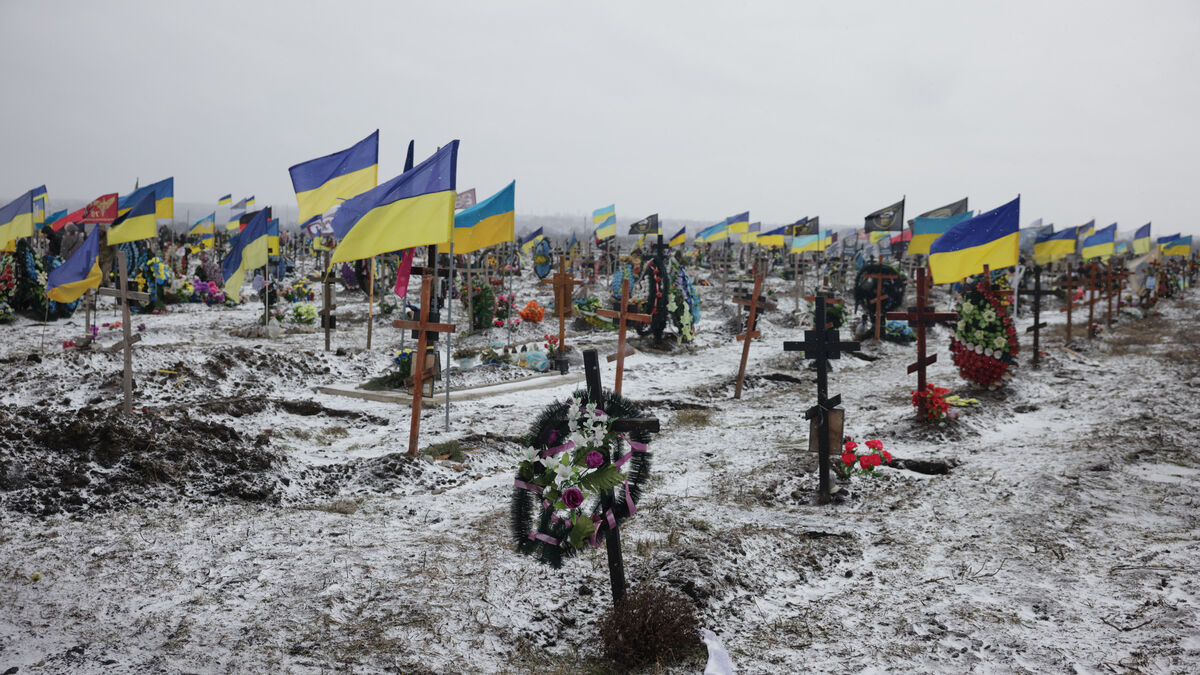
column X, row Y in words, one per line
column 693, row 110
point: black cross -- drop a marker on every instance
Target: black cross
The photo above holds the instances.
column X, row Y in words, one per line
column 1038, row 324
column 822, row 344
column 595, row 393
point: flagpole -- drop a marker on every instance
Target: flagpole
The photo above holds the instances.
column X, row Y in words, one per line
column 370, row 299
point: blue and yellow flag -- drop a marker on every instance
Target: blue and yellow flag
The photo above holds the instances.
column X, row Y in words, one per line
column 415, row 208
column 571, row 245
column 249, row 202
column 925, row 231
column 739, row 224
column 1163, row 241
column 227, row 199
column 806, row 242
column 138, row 222
column 714, row 233
column 1141, row 240
column 322, row 182
column 273, row 236
column 1100, row 244
column 39, row 205
column 16, row 219
column 247, row 251
column 774, row 238
column 1052, row 246
column 206, row 225
column 1178, row 246
column 750, row 236
column 79, row 273
column 679, row 239
column 164, row 196
column 991, row 238
column 1085, row 230
column 530, row 240
column 605, row 222
column 490, row 222
column 53, row 218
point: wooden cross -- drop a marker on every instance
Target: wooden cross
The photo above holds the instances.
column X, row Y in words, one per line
column 821, row 345
column 622, row 316
column 1111, row 274
column 751, row 329
column 595, row 393
column 878, row 301
column 919, row 317
column 1068, row 285
column 1093, row 294
column 424, row 328
column 1038, row 324
column 564, row 288
column 798, row 270
column 828, row 301
column 468, row 273
column 125, row 296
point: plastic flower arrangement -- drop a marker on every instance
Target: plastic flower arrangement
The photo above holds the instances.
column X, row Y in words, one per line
column 402, row 362
column 933, row 400
column 984, row 345
column 6, row 313
column 504, row 305
column 862, row 459
column 551, row 344
column 533, row 312
column 304, row 314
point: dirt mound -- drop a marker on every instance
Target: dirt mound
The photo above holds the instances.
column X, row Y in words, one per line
column 98, row 460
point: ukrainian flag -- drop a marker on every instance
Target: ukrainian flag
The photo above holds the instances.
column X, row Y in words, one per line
column 1163, row 241
column 235, row 221
column 774, row 238
column 490, row 222
column 273, row 236
column 249, row 202
column 249, row 251
column 714, row 233
column 164, row 195
column 1141, row 240
column 739, row 224
column 53, row 218
column 227, row 199
column 806, row 242
column 826, row 239
column 679, row 238
column 991, row 238
column 206, row 225
column 1101, row 244
column 531, row 239
column 1178, row 246
column 1052, row 246
column 605, row 221
column 79, row 274
column 413, row 209
column 1085, row 230
column 879, row 234
column 138, row 222
column 16, row 219
column 750, row 236
column 926, row 230
column 320, row 183
column 39, row 205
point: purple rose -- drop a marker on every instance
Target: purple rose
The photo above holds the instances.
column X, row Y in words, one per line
column 594, row 459
column 572, row 497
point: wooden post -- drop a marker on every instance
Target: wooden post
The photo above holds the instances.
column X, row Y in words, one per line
column 1038, row 324
column 125, row 296
column 878, row 302
column 822, row 344
column 1069, row 287
column 622, row 317
column 424, row 327
column 919, row 317
column 751, row 329
column 564, row 288
column 327, row 302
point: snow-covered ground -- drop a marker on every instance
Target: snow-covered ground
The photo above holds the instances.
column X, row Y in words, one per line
column 1065, row 538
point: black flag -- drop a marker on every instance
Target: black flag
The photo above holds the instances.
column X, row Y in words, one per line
column 647, row 225
column 803, row 227
column 887, row 219
column 956, row 209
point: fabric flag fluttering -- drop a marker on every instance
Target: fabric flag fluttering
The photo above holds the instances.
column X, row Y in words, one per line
column 531, row 239
column 464, row 199
column 804, row 227
column 79, row 273
column 249, row 251
column 139, row 222
column 415, row 208
column 991, row 238
column 164, row 198
column 1101, row 244
column 750, row 236
column 273, row 237
column 1178, row 246
column 490, row 222
column 16, row 219
column 103, row 209
column 887, row 219
column 679, row 238
column 926, row 230
column 322, row 182
column 773, row 238
column 40, row 197
column 1052, row 247
column 227, row 199
column 713, row 233
column 605, row 222
column 739, row 224
column 205, row 225
column 1141, row 240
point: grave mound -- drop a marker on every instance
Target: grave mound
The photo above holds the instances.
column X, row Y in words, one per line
column 98, row 460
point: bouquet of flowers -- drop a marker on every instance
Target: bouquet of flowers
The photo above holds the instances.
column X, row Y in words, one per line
column 504, row 306
column 304, row 314
column 533, row 312
column 933, row 402
column 854, row 456
column 984, row 345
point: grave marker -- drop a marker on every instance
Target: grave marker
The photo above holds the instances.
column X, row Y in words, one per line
column 921, row 316
column 424, row 327
column 1068, row 285
column 1038, row 324
column 878, row 301
column 124, row 296
column 822, row 345
column 622, row 316
column 564, row 288
column 751, row 329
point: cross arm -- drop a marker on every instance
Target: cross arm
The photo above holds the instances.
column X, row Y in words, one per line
column 636, row 424
column 427, row 327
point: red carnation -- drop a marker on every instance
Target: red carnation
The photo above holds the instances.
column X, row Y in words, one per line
column 887, row 456
column 849, row 458
column 875, row 445
column 850, row 446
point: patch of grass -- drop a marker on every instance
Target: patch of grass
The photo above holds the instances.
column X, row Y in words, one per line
column 346, row 507
column 454, row 451
column 333, row 433
column 693, row 418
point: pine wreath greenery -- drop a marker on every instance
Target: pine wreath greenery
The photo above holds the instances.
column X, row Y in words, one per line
column 571, row 460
